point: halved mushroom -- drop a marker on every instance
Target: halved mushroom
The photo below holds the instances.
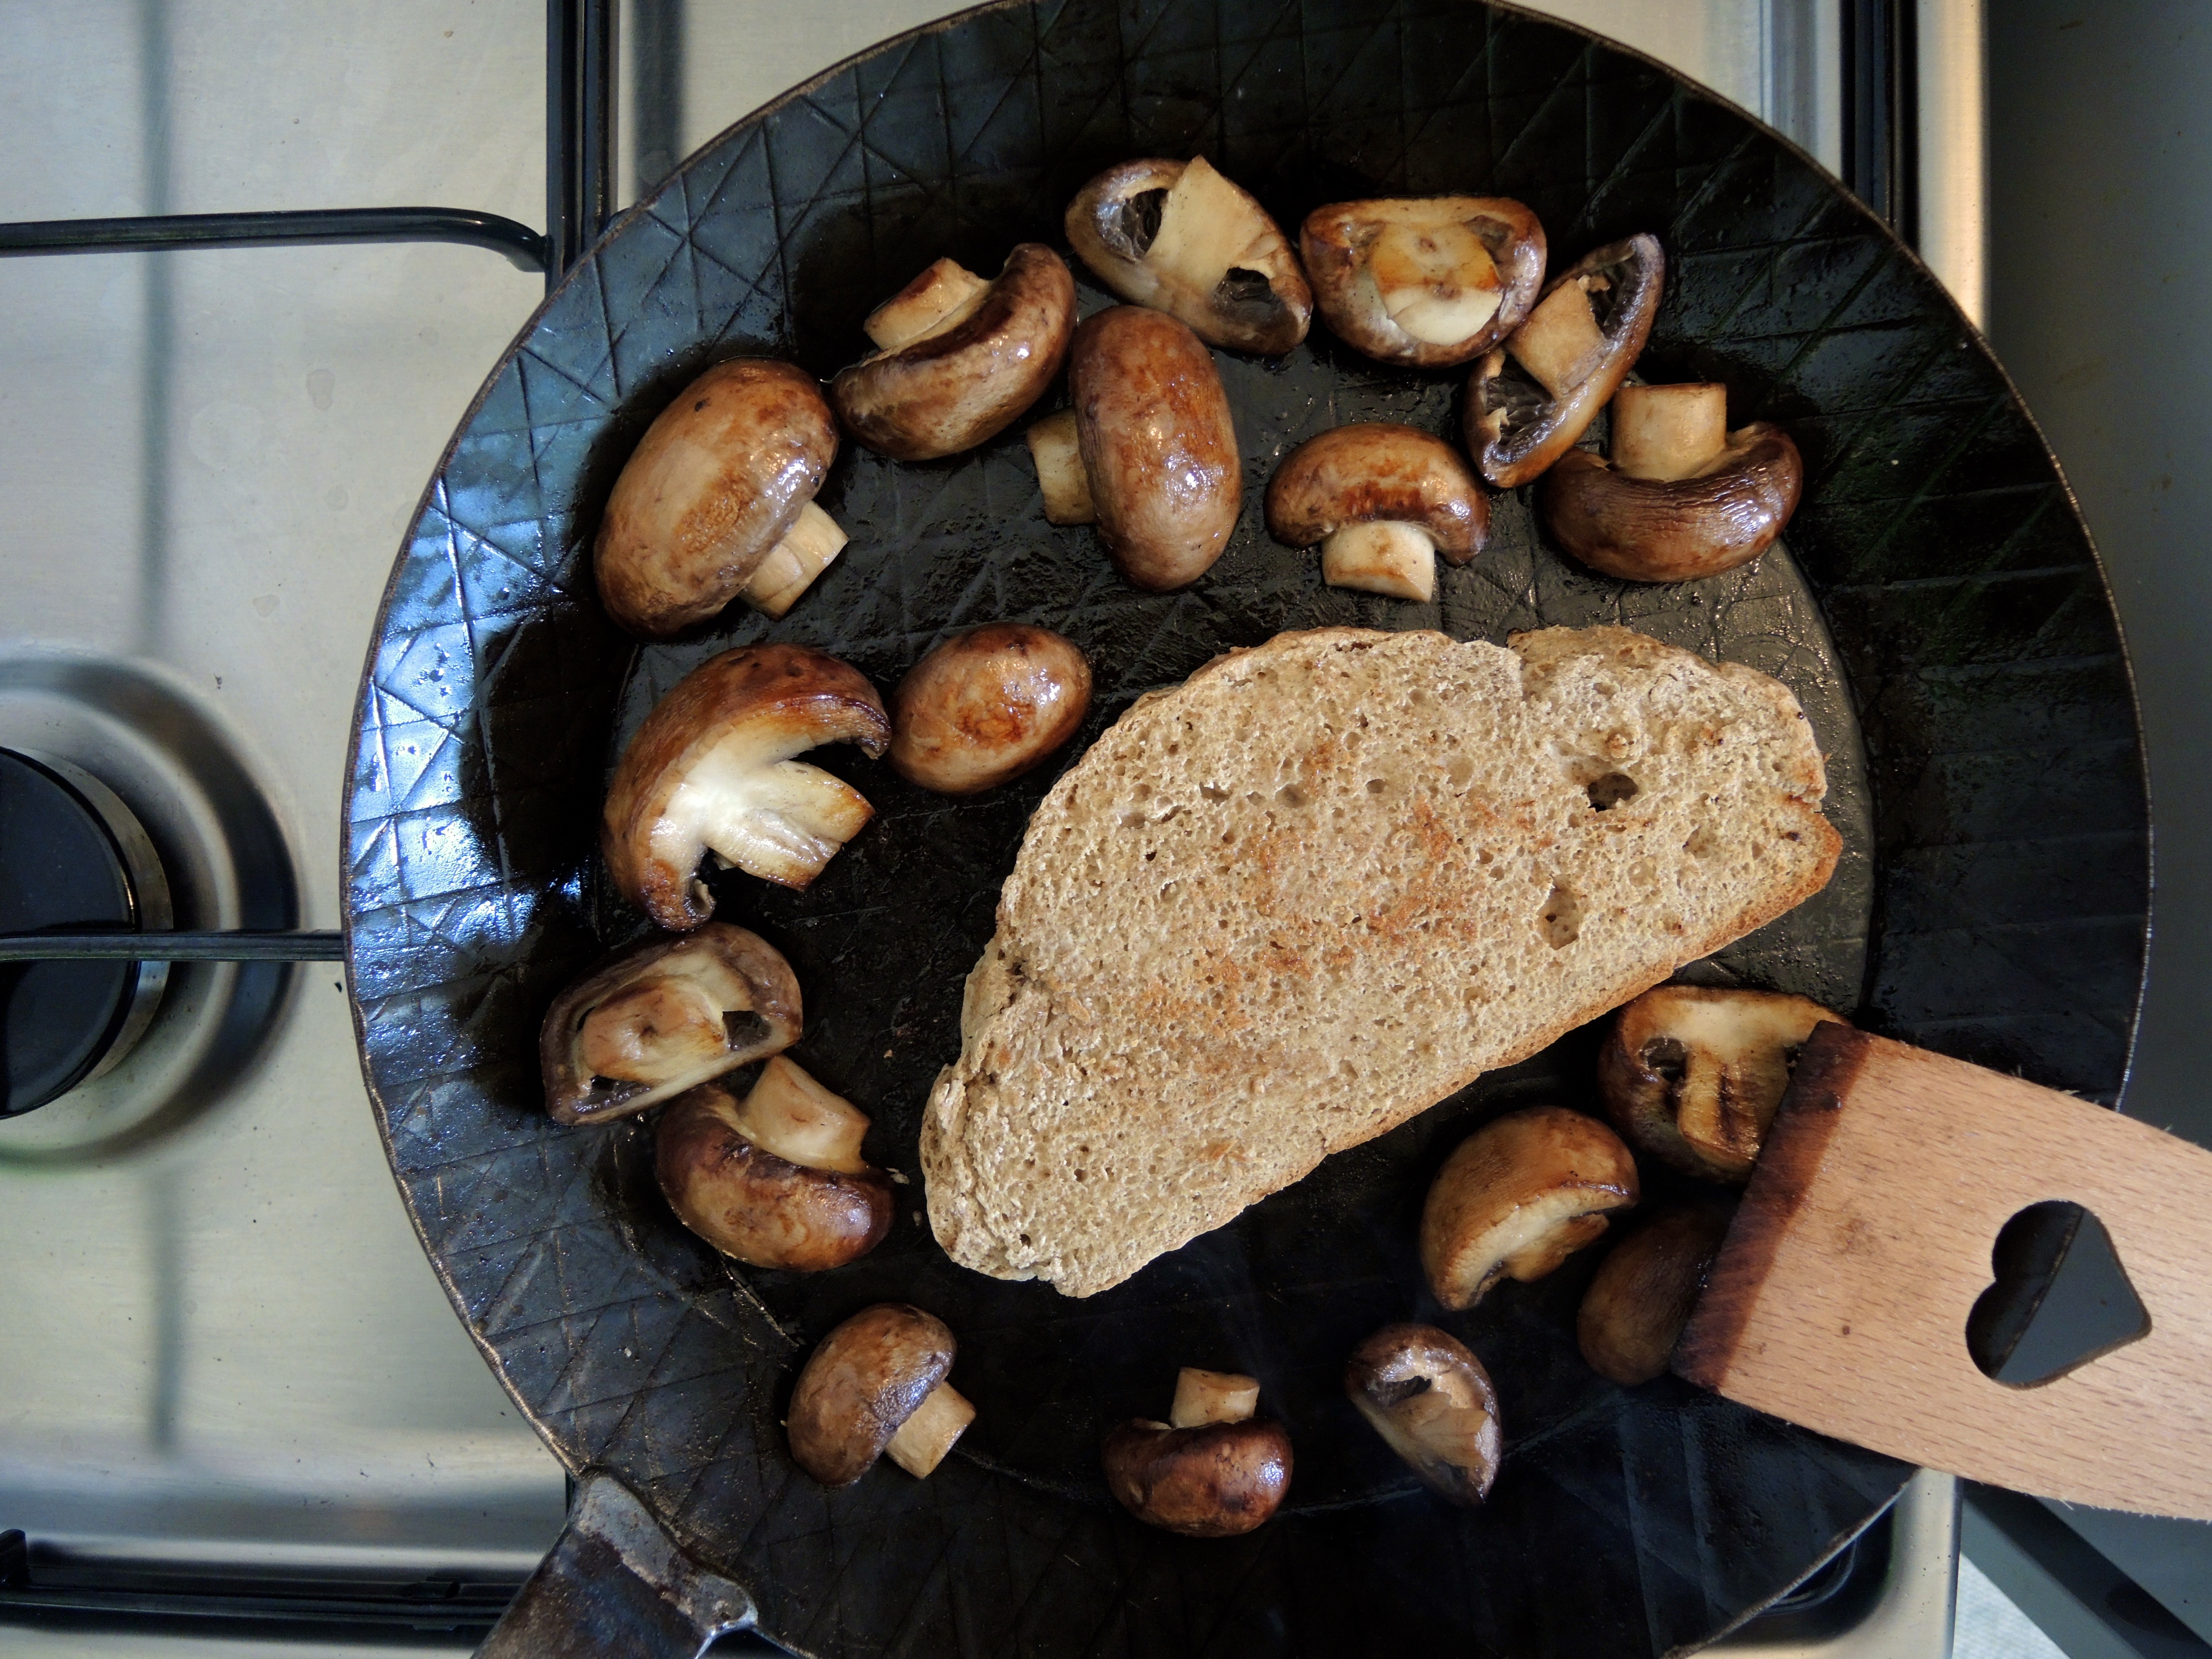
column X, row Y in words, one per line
column 1518, row 1197
column 1633, row 1313
column 776, row 1180
column 987, row 706
column 877, row 1383
column 1150, row 441
column 1430, row 280
column 663, row 1016
column 1683, row 497
column 1213, row 1472
column 1383, row 501
column 947, row 379
column 718, row 500
column 1694, row 1074
column 710, row 771
column 1180, row 238
column 1531, row 400
column 1432, row 1401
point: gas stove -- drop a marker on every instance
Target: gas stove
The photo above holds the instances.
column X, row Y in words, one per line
column 235, row 1399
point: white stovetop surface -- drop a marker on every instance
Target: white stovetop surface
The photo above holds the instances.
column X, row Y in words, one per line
column 230, row 1335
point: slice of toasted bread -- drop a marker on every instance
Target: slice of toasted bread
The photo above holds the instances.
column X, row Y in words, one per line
column 1283, row 907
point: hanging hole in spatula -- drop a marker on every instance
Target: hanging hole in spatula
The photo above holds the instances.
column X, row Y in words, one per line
column 2060, row 1298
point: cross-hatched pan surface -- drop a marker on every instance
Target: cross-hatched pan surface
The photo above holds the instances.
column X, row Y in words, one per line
column 1938, row 610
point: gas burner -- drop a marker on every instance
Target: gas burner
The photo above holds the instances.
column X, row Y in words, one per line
column 151, row 818
column 72, row 856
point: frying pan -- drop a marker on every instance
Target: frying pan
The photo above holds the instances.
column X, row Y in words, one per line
column 1937, row 609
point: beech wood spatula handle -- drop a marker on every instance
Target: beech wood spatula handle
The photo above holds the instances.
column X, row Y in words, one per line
column 1841, row 1298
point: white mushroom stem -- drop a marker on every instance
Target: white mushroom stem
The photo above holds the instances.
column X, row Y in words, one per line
column 1059, row 470
column 780, row 819
column 653, row 1031
column 923, row 1439
column 789, row 1113
column 1207, row 226
column 1436, row 281
column 806, row 550
column 1663, row 433
column 1561, row 341
column 933, row 302
column 1386, row 557
column 1203, row 1397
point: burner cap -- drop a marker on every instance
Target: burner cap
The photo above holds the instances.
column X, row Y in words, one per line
column 61, row 867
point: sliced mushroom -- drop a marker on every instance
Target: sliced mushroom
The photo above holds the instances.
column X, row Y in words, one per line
column 663, row 1016
column 1154, row 445
column 1633, row 1313
column 704, row 508
column 877, row 1383
column 1383, row 501
column 1531, row 400
column 1683, row 497
column 1518, row 1197
column 1213, row 1472
column 777, row 1180
column 1430, row 280
column 987, row 706
column 950, row 376
column 1178, row 237
column 1432, row 1401
column 710, row 771
column 1694, row 1074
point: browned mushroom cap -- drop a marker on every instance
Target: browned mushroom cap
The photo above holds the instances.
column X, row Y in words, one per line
column 1180, row 238
column 1633, row 1313
column 966, row 376
column 1531, row 400
column 987, row 706
column 1432, row 1401
column 709, row 771
column 716, row 484
column 1518, row 1197
column 1210, row 1470
column 1647, row 530
column 876, row 1385
column 1430, row 280
column 1695, row 1074
column 777, row 1180
column 1379, row 497
column 653, row 1021
column 1151, row 422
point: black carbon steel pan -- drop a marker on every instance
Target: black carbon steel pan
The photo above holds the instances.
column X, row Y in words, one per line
column 1937, row 608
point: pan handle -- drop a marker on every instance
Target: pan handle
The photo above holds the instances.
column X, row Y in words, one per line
column 615, row 1582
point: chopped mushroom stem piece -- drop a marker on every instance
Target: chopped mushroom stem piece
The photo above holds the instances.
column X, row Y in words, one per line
column 1397, row 560
column 1058, row 459
column 931, row 303
column 919, row 1444
column 663, row 1016
column 1663, row 433
column 1437, row 282
column 1561, row 341
column 1432, row 1403
column 792, row 563
column 1517, row 1197
column 791, row 1115
column 1695, row 1074
column 1203, row 1397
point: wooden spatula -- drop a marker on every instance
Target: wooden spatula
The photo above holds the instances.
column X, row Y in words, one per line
column 1841, row 1298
